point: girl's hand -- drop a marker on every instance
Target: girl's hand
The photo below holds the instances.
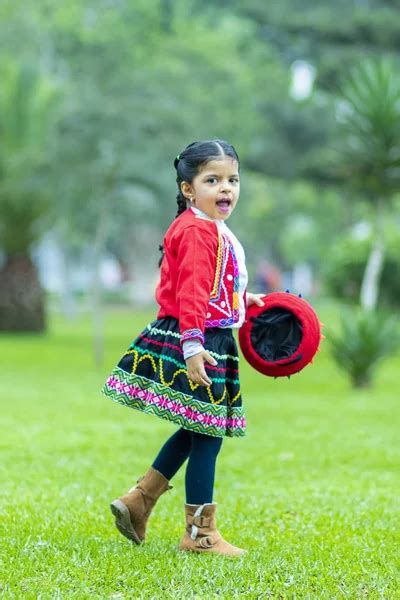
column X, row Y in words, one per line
column 196, row 370
column 254, row 299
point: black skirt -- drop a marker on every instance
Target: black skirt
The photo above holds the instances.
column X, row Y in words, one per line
column 152, row 377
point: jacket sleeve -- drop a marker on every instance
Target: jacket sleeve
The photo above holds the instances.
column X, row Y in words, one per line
column 196, row 259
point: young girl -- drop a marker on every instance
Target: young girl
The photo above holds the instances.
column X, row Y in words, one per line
column 184, row 366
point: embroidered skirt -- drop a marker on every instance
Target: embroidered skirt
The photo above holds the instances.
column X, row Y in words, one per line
column 152, row 377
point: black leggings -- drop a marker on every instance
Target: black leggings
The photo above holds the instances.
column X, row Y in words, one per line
column 202, row 451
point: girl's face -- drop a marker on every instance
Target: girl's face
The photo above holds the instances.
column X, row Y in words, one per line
column 215, row 189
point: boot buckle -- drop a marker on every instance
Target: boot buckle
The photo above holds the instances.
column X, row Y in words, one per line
column 206, row 542
column 201, row 521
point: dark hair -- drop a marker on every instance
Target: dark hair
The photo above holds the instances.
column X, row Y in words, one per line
column 189, row 161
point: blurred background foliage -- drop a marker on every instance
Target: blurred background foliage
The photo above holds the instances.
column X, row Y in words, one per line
column 97, row 98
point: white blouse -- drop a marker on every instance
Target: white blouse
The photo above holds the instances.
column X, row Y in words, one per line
column 192, row 347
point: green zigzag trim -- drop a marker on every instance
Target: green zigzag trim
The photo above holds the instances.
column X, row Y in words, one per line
column 162, row 331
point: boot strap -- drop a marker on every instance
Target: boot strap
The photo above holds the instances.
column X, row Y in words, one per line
column 199, row 521
column 197, row 515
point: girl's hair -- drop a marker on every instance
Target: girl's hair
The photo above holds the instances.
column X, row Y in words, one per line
column 189, row 161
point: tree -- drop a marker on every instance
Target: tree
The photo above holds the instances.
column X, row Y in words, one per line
column 370, row 112
column 27, row 100
column 370, row 161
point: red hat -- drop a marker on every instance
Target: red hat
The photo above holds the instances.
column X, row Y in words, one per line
column 281, row 337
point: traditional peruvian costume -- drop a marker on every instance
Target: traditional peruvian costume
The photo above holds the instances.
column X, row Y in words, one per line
column 201, row 295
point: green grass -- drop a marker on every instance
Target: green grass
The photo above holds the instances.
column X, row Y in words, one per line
column 311, row 491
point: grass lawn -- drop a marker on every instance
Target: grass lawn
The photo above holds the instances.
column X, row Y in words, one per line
column 312, row 491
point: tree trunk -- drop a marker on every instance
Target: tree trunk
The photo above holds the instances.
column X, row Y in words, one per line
column 362, row 380
column 373, row 270
column 22, row 300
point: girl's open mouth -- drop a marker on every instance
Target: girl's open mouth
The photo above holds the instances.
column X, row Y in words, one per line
column 224, row 204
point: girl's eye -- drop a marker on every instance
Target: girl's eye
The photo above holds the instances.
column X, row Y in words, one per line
column 214, row 179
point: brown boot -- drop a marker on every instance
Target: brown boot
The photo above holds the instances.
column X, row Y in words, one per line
column 202, row 534
column 132, row 510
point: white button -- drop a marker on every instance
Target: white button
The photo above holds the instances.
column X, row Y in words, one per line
column 208, row 315
column 229, row 277
column 223, row 304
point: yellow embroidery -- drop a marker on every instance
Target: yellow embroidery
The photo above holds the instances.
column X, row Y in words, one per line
column 235, row 398
column 213, row 400
column 193, row 386
column 153, row 362
column 218, row 274
column 135, row 359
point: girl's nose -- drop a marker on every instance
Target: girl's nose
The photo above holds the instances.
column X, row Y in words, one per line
column 225, row 186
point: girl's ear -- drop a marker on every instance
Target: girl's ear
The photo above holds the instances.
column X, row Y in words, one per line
column 186, row 189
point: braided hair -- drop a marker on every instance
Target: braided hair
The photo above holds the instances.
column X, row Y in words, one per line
column 188, row 163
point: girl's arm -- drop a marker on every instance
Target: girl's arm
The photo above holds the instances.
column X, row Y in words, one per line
column 195, row 363
column 196, row 257
column 196, row 263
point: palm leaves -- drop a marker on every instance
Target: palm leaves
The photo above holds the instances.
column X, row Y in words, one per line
column 365, row 339
column 26, row 110
column 370, row 114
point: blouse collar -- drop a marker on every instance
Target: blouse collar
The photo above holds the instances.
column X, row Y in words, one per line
column 203, row 215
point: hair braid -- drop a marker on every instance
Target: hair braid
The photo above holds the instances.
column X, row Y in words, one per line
column 182, row 205
column 181, row 202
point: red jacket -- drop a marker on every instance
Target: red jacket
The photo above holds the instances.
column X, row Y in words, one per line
column 199, row 277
